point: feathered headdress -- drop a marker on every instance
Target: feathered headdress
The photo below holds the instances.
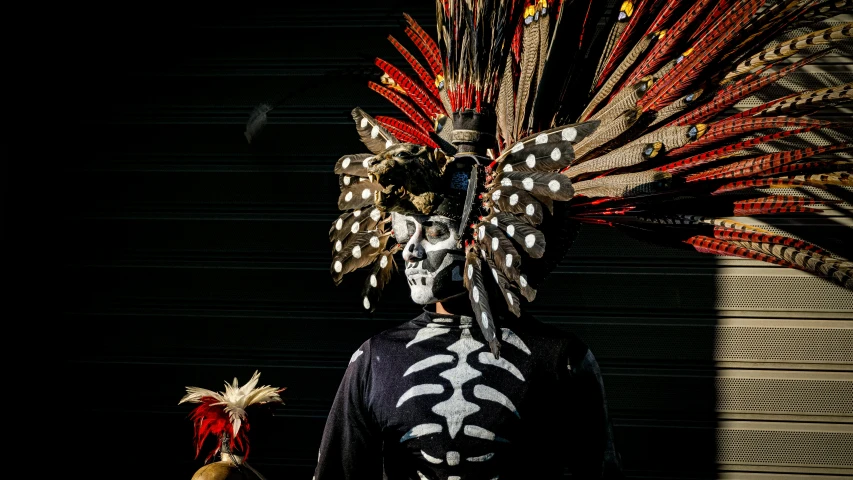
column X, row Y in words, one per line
column 223, row 414
column 526, row 123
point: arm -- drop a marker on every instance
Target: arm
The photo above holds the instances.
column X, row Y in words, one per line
column 351, row 447
column 592, row 441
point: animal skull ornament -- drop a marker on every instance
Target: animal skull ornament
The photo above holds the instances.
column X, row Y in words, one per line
column 410, row 177
column 433, row 257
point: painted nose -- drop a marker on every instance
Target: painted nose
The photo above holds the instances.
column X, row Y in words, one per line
column 413, row 251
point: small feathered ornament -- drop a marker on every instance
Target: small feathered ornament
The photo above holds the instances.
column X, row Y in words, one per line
column 223, row 414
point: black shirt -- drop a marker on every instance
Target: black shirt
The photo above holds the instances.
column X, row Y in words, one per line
column 428, row 400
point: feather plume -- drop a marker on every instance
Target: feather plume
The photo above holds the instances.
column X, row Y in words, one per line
column 528, row 238
column 357, row 195
column 383, row 269
column 355, row 165
column 514, row 200
column 372, row 134
column 479, row 298
column 540, row 184
column 500, row 249
column 224, row 413
column 513, row 303
column 360, row 251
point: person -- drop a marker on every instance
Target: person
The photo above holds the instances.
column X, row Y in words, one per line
column 428, row 400
column 523, row 125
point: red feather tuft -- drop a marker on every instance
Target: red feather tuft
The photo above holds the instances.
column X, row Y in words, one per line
column 210, row 420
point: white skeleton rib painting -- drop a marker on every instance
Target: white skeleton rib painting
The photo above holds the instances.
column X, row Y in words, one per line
column 456, row 408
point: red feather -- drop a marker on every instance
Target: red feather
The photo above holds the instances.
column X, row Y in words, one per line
column 765, row 164
column 738, row 90
column 403, row 105
column 425, row 43
column 416, row 93
column 713, row 246
column 428, row 81
column 399, row 127
column 723, row 233
column 722, row 152
column 211, row 420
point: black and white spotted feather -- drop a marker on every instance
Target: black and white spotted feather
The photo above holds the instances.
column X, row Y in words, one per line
column 383, row 268
column 528, row 238
column 500, row 249
column 479, row 296
column 360, row 250
column 355, row 165
column 515, row 200
column 372, row 134
column 510, row 296
column 540, row 184
column 357, row 195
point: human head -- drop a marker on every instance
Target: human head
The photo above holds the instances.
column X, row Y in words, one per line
column 434, row 260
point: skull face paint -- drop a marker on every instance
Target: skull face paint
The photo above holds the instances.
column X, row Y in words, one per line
column 433, row 260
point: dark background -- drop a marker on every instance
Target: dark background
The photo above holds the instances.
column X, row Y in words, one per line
column 189, row 258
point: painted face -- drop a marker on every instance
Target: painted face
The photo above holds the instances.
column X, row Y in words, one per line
column 433, row 261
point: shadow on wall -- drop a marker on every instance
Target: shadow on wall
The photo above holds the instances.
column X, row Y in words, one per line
column 648, row 315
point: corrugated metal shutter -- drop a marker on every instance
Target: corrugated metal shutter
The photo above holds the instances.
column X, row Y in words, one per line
column 190, row 260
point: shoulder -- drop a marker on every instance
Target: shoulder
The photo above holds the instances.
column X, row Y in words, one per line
column 546, row 339
column 385, row 340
